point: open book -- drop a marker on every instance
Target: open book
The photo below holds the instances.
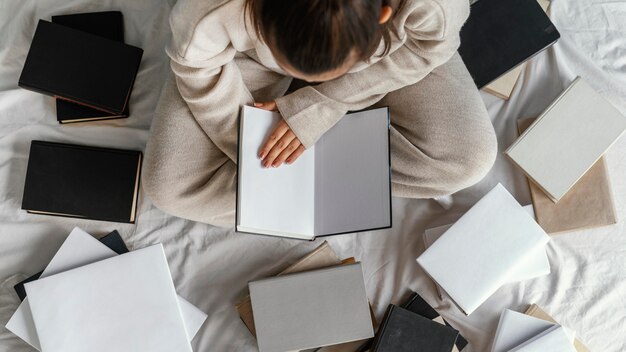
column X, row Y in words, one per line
column 341, row 184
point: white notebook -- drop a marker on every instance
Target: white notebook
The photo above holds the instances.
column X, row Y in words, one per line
column 341, row 184
column 515, row 329
column 567, row 139
column 311, row 309
column 80, row 248
column 483, row 248
column 536, row 265
column 555, row 339
column 124, row 303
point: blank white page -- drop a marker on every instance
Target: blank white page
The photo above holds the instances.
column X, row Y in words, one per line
column 352, row 177
column 516, row 328
column 567, row 139
column 272, row 201
column 481, row 250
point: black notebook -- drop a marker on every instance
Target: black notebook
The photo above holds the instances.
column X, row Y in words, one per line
column 405, row 331
column 81, row 181
column 107, row 24
column 113, row 240
column 80, row 67
column 501, row 34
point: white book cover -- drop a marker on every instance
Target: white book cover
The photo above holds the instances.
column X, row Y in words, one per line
column 80, row 248
column 567, row 139
column 483, row 248
column 341, row 184
column 537, row 264
column 124, row 303
column 311, row 309
column 516, row 328
column 555, row 339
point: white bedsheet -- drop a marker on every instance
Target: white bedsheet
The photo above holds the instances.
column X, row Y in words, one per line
column 211, row 267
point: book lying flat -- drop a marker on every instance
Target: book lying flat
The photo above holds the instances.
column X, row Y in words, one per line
column 341, row 184
column 479, row 252
column 113, row 241
column 537, row 264
column 311, row 309
column 80, row 67
column 503, row 86
column 514, row 329
column 323, row 256
column 567, row 139
column 534, row 311
column 107, row 24
column 82, row 181
column 404, row 331
column 554, row 339
column 141, row 312
column 499, row 35
column 589, row 203
column 418, row 305
column 81, row 249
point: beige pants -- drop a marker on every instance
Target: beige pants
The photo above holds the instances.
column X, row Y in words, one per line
column 441, row 142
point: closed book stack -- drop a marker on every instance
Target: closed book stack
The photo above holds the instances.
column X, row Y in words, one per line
column 91, row 298
column 483, row 249
column 107, row 24
column 81, row 67
column 404, row 331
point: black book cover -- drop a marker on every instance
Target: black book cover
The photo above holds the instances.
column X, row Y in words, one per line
column 107, row 24
column 417, row 305
column 113, row 240
column 82, row 181
column 501, row 34
column 405, row 331
column 80, row 67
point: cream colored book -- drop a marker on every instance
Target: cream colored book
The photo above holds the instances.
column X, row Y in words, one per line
column 567, row 139
column 534, row 311
column 588, row 204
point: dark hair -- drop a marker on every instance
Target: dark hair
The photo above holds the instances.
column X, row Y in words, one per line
column 317, row 36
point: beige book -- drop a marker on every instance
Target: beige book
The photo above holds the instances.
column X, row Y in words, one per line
column 534, row 311
column 503, row 86
column 588, row 204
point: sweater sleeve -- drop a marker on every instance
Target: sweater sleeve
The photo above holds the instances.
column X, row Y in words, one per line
column 208, row 79
column 431, row 37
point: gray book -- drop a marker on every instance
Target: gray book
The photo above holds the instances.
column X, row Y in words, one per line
column 311, row 309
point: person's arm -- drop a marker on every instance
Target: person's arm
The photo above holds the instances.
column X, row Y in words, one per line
column 432, row 37
column 208, row 78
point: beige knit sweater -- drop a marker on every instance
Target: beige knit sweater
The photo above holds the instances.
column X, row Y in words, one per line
column 207, row 34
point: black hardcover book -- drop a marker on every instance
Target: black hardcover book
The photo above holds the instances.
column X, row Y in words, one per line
column 107, row 24
column 417, row 305
column 405, row 331
column 82, row 181
column 80, row 67
column 113, row 240
column 501, row 34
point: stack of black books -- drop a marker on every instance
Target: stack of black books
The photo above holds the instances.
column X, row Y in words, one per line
column 82, row 61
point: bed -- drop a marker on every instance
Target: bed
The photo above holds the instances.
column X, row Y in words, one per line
column 211, row 266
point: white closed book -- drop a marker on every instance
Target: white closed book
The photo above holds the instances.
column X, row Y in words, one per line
column 341, row 184
column 555, row 339
column 80, row 248
column 567, row 139
column 516, row 328
column 536, row 265
column 124, row 303
column 483, row 248
column 311, row 309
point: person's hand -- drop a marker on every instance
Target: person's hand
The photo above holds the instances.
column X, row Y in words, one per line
column 282, row 144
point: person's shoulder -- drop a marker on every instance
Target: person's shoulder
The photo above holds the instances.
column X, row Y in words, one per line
column 433, row 18
column 199, row 25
